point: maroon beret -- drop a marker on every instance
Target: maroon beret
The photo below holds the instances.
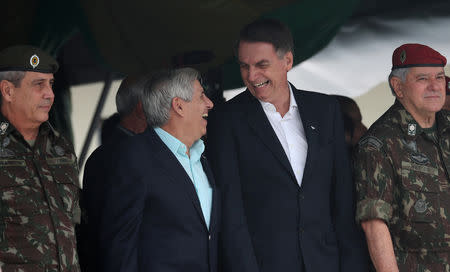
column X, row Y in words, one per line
column 447, row 85
column 414, row 54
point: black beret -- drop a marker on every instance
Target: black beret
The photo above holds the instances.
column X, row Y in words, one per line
column 27, row 58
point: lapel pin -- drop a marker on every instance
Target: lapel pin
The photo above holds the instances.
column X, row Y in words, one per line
column 313, row 127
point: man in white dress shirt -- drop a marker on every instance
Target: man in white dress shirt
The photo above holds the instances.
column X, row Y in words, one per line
column 279, row 157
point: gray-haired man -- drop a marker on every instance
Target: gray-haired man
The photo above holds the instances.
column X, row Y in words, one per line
column 160, row 207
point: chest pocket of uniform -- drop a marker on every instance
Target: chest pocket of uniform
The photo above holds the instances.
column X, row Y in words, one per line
column 420, row 197
column 65, row 175
column 19, row 193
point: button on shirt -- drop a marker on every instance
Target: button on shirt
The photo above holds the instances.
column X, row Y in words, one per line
column 193, row 167
column 291, row 134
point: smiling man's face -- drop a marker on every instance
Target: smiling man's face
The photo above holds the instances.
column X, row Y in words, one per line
column 197, row 111
column 263, row 71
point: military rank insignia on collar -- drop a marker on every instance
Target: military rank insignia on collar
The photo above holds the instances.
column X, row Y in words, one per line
column 3, row 127
column 412, row 129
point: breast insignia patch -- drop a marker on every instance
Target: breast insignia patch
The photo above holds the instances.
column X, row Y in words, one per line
column 420, row 206
column 59, row 150
column 420, row 158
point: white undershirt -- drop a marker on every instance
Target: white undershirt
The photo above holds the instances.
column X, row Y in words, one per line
column 291, row 134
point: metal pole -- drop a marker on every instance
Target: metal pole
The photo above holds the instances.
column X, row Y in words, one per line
column 96, row 119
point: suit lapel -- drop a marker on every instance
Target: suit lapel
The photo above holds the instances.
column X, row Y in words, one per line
column 174, row 170
column 311, row 127
column 258, row 121
column 215, row 194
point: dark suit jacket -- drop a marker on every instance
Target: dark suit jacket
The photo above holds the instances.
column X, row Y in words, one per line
column 270, row 223
column 91, row 198
column 150, row 218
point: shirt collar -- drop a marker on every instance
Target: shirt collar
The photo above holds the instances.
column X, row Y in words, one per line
column 292, row 103
column 178, row 148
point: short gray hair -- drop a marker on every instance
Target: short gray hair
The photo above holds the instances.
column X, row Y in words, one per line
column 400, row 73
column 15, row 77
column 129, row 94
column 162, row 88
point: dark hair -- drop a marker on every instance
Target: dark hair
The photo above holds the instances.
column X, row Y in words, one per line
column 269, row 31
column 345, row 102
column 130, row 93
column 349, row 126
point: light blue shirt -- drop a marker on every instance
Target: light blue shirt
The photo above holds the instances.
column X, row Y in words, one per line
column 193, row 167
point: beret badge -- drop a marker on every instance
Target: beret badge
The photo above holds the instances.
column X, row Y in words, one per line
column 403, row 56
column 34, row 61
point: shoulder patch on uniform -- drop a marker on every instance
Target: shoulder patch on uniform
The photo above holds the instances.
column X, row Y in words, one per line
column 371, row 141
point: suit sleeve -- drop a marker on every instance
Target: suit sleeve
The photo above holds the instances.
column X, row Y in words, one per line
column 121, row 217
column 353, row 250
column 236, row 250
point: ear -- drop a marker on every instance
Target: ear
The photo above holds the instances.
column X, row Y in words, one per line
column 289, row 60
column 397, row 85
column 7, row 90
column 178, row 106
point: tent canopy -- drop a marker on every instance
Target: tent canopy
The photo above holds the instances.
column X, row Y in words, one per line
column 135, row 36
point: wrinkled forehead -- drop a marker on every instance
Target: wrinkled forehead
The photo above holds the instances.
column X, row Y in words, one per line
column 38, row 76
column 426, row 71
column 255, row 51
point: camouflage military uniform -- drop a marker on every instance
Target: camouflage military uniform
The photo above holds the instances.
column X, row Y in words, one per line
column 39, row 195
column 402, row 177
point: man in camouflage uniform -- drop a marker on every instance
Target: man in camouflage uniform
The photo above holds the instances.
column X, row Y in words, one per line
column 402, row 169
column 447, row 90
column 39, row 188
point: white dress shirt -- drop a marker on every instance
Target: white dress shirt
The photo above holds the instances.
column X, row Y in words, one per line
column 291, row 134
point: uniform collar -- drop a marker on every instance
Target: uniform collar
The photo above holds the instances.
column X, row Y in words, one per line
column 44, row 128
column 443, row 121
column 6, row 127
column 411, row 128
